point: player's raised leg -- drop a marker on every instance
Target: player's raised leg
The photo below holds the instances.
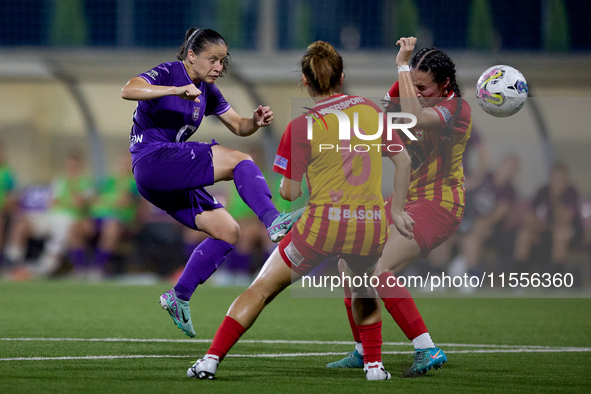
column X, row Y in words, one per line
column 252, row 188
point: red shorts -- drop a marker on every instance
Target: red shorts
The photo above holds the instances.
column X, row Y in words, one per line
column 434, row 224
column 302, row 258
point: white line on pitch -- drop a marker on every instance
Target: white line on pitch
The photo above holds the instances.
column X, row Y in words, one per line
column 66, row 358
column 270, row 341
column 129, row 356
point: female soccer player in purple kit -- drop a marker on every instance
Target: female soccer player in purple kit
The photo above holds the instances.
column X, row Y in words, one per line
column 171, row 173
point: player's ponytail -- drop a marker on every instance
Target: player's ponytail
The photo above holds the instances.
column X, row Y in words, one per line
column 198, row 40
column 441, row 67
column 323, row 66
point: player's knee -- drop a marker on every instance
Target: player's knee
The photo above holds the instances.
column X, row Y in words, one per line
column 228, row 232
column 363, row 292
column 265, row 294
column 240, row 157
column 234, row 234
column 246, row 156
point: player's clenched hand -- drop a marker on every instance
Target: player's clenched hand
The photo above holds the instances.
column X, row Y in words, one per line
column 263, row 116
column 403, row 223
column 407, row 45
column 188, row 92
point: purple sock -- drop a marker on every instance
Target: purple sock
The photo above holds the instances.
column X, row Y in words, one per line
column 101, row 257
column 206, row 258
column 78, row 258
column 237, row 262
column 188, row 249
column 253, row 189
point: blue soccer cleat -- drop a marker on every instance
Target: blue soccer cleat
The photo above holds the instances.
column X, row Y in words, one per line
column 282, row 224
column 426, row 359
column 179, row 311
column 353, row 360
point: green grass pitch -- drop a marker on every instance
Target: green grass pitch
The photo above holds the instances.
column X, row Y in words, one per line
column 493, row 344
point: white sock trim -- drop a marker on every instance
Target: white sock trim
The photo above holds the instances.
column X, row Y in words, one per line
column 359, row 348
column 374, row 364
column 423, row 341
column 212, row 356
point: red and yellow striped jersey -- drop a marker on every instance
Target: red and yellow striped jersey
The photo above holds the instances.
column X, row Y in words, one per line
column 437, row 173
column 345, row 213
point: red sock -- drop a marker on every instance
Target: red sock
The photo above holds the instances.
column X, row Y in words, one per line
column 401, row 306
column 351, row 320
column 228, row 333
column 371, row 339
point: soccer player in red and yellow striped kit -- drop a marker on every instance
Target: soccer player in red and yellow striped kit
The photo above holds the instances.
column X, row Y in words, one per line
column 345, row 214
column 427, row 88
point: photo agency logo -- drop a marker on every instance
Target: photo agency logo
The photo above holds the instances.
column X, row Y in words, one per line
column 392, row 122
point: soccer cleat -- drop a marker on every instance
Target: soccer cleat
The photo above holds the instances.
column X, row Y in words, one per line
column 426, row 359
column 353, row 360
column 376, row 371
column 179, row 311
column 204, row 368
column 282, row 224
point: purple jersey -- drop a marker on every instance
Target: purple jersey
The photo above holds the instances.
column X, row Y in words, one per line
column 36, row 198
column 171, row 118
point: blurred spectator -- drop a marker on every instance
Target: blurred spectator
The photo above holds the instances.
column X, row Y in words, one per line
column 476, row 162
column 8, row 199
column 586, row 224
column 552, row 226
column 493, row 201
column 32, row 225
column 69, row 198
column 112, row 216
column 158, row 243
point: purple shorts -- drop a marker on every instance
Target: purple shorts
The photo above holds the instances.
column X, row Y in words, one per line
column 173, row 178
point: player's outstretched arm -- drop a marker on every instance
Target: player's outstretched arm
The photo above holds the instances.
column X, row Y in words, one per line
column 138, row 89
column 243, row 127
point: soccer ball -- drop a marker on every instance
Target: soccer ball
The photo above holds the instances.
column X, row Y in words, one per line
column 501, row 91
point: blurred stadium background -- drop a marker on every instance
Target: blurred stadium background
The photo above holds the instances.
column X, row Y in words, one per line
column 63, row 63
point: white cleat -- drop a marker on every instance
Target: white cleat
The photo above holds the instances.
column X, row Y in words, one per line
column 204, row 368
column 376, row 371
